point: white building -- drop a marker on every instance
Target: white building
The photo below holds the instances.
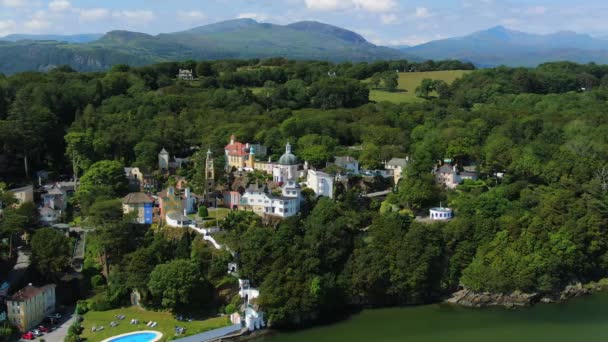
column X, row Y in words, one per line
column 287, row 167
column 177, row 220
column 262, row 202
column 321, row 183
column 441, row 213
column 185, row 74
column 163, row 160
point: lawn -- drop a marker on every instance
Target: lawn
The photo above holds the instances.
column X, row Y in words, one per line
column 408, row 81
column 219, row 213
column 166, row 323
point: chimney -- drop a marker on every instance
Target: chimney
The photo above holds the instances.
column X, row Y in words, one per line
column 232, row 138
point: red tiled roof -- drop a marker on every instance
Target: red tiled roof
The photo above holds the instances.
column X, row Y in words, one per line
column 236, row 149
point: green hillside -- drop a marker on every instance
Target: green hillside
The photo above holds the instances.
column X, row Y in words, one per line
column 408, row 81
column 242, row 38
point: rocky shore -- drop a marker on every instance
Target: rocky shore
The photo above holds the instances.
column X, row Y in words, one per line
column 470, row 298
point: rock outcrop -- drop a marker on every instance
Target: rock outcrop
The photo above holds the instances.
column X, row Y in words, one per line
column 470, row 298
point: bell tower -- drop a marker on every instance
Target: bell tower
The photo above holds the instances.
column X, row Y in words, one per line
column 209, row 171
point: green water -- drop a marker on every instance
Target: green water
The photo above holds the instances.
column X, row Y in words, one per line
column 584, row 319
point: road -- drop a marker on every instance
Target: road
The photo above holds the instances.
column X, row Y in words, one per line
column 59, row 334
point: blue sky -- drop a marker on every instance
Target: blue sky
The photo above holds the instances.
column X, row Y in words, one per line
column 387, row 22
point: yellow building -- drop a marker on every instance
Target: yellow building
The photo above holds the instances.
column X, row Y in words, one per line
column 29, row 306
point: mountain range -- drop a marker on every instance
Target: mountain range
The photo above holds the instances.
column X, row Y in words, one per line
column 247, row 38
column 239, row 38
column 501, row 46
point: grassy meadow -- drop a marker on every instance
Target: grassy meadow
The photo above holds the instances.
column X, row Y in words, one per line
column 408, row 81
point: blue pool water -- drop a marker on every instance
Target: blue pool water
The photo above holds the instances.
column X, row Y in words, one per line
column 136, row 337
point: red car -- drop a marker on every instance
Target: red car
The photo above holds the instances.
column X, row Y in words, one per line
column 43, row 329
column 28, row 336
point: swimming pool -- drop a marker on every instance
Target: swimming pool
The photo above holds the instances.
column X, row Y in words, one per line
column 140, row 336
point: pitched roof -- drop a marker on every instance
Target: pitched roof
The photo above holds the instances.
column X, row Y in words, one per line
column 398, row 162
column 29, row 292
column 137, row 198
column 446, row 169
column 55, row 191
column 344, row 159
column 236, row 149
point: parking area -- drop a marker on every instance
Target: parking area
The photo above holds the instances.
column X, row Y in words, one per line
column 59, row 333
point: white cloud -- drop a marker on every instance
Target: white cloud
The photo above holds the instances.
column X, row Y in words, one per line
column 59, row 5
column 328, row 5
column 536, row 10
column 93, row 14
column 135, row 16
column 389, row 19
column 254, row 16
column 13, row 3
column 423, row 12
column 375, row 5
column 39, row 21
column 191, row 16
column 7, row 27
column 365, row 5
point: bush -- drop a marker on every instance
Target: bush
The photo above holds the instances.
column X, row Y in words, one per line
column 97, row 280
column 230, row 308
column 203, row 212
column 82, row 307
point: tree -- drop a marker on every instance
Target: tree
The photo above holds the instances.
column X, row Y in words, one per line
column 390, row 80
column 79, row 148
column 425, row 88
column 104, row 178
column 12, row 223
column 51, row 251
column 178, row 284
column 204, row 69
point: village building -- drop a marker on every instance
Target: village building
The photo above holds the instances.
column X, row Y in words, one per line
column 28, row 307
column 262, row 202
column 170, row 201
column 140, row 204
column 185, row 74
column 24, row 194
column 163, row 160
column 396, row 165
column 321, row 183
column 135, row 178
column 56, row 198
column 348, row 163
column 177, row 220
column 441, row 213
column 450, row 177
column 232, row 199
column 49, row 216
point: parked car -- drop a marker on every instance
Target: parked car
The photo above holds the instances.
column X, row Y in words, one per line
column 28, row 336
column 36, row 332
column 43, row 329
column 56, row 315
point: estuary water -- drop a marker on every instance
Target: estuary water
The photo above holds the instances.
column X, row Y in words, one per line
column 583, row 319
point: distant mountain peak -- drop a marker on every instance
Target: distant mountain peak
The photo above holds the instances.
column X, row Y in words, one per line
column 315, row 26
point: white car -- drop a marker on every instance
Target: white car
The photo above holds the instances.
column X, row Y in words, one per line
column 36, row 333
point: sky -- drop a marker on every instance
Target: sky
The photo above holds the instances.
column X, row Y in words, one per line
column 383, row 22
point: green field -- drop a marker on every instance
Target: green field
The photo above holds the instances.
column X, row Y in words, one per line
column 166, row 323
column 408, row 81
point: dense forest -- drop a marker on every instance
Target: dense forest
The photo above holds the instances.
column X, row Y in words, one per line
column 536, row 220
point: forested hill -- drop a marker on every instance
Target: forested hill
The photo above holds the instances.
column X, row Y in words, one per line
column 536, row 220
column 240, row 38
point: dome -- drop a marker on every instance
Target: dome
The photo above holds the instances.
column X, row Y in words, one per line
column 288, row 158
